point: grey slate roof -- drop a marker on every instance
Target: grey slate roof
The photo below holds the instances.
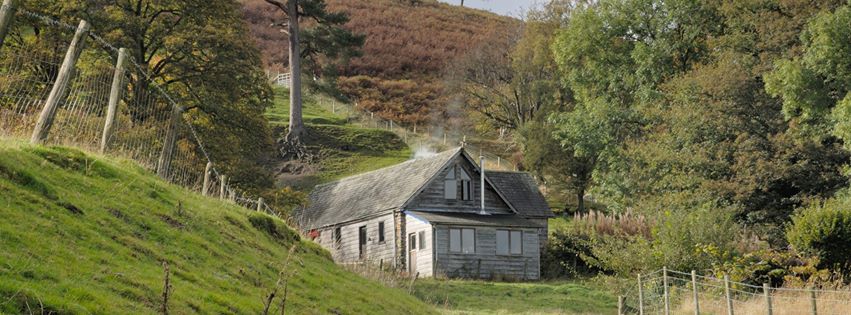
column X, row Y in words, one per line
column 371, row 193
column 522, row 193
column 381, row 191
column 505, row 220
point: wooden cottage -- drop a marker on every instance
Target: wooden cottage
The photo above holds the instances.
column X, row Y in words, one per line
column 426, row 216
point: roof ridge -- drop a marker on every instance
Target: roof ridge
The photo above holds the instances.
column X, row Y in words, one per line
column 355, row 176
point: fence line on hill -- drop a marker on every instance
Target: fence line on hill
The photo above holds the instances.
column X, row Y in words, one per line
column 95, row 96
column 415, row 135
column 674, row 292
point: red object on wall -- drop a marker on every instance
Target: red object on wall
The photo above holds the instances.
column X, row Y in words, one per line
column 313, row 234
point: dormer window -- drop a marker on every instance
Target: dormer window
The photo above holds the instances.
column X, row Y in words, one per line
column 454, row 179
column 450, row 185
column 466, row 185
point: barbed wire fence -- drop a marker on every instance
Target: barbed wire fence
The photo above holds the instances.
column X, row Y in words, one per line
column 674, row 292
column 70, row 87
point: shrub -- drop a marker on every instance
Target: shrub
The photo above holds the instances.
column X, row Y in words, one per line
column 823, row 231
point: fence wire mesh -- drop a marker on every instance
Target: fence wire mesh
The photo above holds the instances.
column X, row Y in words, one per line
column 148, row 126
column 674, row 292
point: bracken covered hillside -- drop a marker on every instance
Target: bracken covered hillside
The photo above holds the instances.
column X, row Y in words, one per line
column 82, row 234
column 406, row 53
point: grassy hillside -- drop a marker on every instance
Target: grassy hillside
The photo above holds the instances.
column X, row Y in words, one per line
column 405, row 55
column 341, row 149
column 479, row 297
column 86, row 234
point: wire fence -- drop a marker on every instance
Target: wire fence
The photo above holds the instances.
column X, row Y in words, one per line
column 62, row 84
column 427, row 138
column 674, row 292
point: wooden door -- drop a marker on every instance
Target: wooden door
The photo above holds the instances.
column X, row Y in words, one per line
column 412, row 257
column 362, row 242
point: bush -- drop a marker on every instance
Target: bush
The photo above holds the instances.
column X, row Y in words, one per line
column 823, row 231
column 567, row 252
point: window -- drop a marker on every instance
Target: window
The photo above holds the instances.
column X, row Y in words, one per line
column 450, row 185
column 338, row 236
column 381, row 232
column 462, row 241
column 466, row 185
column 516, row 242
column 455, row 240
column 509, row 242
column 362, row 242
column 413, row 241
column 422, row 240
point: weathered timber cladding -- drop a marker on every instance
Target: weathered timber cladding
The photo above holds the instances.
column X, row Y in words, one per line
column 543, row 232
column 399, row 229
column 347, row 250
column 432, row 198
column 485, row 263
column 424, row 256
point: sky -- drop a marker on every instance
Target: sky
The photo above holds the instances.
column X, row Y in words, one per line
column 513, row 8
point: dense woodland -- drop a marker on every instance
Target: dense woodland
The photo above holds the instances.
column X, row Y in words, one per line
column 709, row 135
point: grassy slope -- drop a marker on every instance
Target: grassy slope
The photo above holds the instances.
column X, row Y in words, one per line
column 345, row 149
column 84, row 234
column 479, row 297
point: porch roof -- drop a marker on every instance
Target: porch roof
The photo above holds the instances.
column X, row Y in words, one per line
column 495, row 220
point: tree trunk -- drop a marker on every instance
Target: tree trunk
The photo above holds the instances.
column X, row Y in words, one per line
column 296, row 124
column 580, row 200
column 462, row 3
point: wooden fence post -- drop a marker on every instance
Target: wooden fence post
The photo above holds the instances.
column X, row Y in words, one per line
column 7, row 13
column 728, row 295
column 620, row 305
column 694, row 289
column 205, row 189
column 167, row 153
column 640, row 296
column 813, row 302
column 259, row 204
column 767, row 292
column 223, row 187
column 667, row 296
column 63, row 78
column 114, row 97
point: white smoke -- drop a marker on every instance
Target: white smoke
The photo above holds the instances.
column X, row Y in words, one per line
column 423, row 151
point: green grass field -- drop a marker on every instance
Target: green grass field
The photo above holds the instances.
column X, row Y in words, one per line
column 84, row 234
column 343, row 149
column 480, row 297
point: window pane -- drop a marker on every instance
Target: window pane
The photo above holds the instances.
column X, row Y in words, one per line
column 413, row 241
column 463, row 175
column 422, row 240
column 465, row 190
column 450, row 189
column 454, row 240
column 468, row 241
column 451, row 174
column 501, row 242
column 516, row 242
column 381, row 231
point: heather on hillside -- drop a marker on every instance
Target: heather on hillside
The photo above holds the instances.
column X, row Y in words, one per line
column 406, row 54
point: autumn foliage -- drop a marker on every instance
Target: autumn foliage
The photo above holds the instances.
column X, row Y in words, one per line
column 407, row 49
